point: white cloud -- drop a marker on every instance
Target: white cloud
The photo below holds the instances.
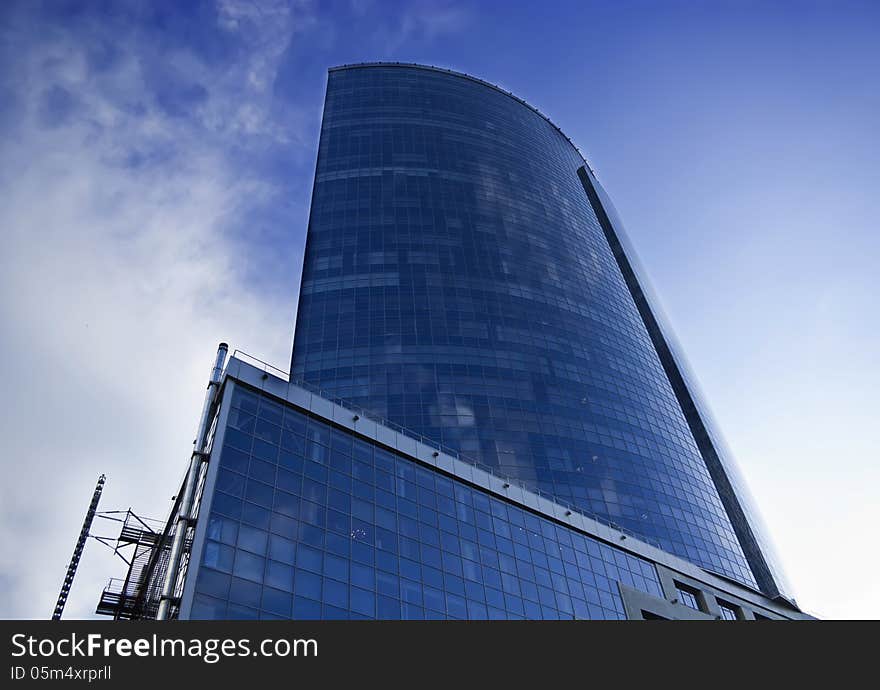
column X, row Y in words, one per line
column 264, row 30
column 121, row 269
column 422, row 21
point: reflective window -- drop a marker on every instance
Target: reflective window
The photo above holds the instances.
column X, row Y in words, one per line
column 687, row 597
column 728, row 613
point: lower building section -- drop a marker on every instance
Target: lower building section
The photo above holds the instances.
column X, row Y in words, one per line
column 308, row 521
column 311, row 510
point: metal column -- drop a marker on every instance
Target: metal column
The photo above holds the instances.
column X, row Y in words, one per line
column 184, row 516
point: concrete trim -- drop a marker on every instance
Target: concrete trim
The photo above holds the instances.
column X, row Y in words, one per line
column 637, row 603
column 708, row 597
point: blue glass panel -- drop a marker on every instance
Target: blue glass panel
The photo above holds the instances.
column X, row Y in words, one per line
column 245, row 400
column 253, row 540
column 306, row 609
column 248, row 566
column 213, row 583
column 245, row 592
column 307, row 584
column 218, row 556
column 255, row 515
column 205, row 607
column 222, row 529
column 279, row 575
column 363, row 602
column 241, row 613
column 277, row 602
column 281, row 549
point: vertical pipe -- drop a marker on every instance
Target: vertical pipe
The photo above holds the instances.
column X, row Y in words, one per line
column 184, row 516
column 78, row 549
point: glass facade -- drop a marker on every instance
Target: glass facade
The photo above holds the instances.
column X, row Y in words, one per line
column 457, row 282
column 306, row 521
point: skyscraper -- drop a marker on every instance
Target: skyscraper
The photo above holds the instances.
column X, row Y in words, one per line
column 459, row 281
column 485, row 417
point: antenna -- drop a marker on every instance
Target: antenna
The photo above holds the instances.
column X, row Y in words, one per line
column 77, row 551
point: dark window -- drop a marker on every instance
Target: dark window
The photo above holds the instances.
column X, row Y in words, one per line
column 729, row 612
column 688, row 597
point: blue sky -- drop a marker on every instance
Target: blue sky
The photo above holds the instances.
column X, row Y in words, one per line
column 155, row 173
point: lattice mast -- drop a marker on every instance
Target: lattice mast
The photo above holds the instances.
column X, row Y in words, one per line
column 77, row 551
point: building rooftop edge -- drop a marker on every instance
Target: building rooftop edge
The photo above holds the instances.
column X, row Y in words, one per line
column 469, row 77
